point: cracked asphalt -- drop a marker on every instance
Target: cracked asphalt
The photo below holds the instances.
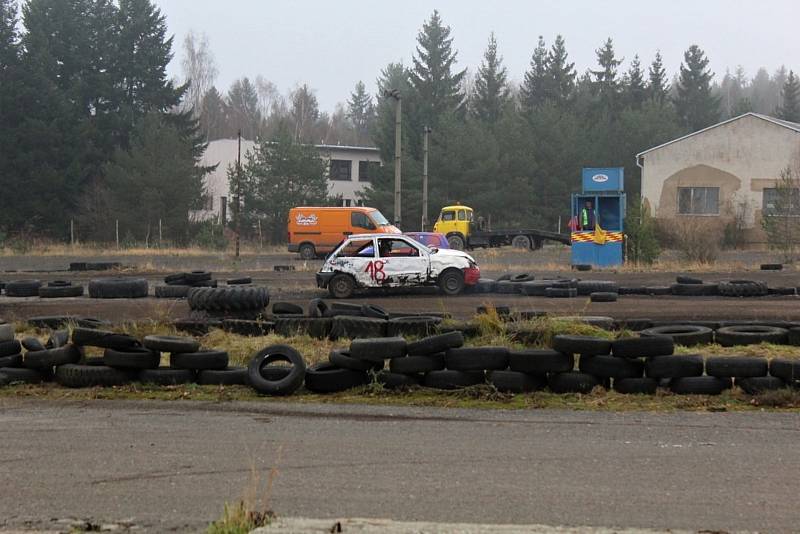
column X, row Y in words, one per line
column 170, row 466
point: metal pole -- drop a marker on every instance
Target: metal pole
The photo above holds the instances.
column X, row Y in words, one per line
column 397, row 158
column 159, row 232
column 72, row 232
column 238, row 193
column 425, row 132
column 116, row 231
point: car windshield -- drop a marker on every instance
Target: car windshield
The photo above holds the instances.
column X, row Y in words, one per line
column 378, row 217
column 419, row 244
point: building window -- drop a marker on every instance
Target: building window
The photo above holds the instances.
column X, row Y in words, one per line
column 341, row 170
column 698, row 200
column 368, row 170
column 209, row 204
column 346, row 202
column 781, row 202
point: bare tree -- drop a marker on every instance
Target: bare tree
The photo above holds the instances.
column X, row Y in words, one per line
column 780, row 217
column 199, row 69
column 267, row 95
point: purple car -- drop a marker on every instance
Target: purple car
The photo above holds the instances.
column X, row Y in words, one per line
column 429, row 239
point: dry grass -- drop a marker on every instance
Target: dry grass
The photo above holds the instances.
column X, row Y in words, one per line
column 44, row 248
column 766, row 350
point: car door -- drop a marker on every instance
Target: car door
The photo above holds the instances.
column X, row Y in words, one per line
column 357, row 257
column 400, row 262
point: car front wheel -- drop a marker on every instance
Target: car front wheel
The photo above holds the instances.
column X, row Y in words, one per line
column 341, row 286
column 451, row 282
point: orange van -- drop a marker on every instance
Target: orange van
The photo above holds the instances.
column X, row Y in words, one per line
column 315, row 231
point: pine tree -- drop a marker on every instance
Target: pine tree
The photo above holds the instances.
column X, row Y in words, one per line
column 606, row 83
column 696, row 105
column 437, row 87
column 560, row 80
column 9, row 38
column 491, row 86
column 635, row 91
column 213, row 116
column 790, row 109
column 304, row 113
column 360, row 110
column 243, row 112
column 658, row 88
column 533, row 92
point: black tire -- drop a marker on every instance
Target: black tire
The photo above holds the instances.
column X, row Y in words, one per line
column 54, row 292
column 59, row 283
column 195, row 327
column 317, row 308
column 118, row 288
column 132, row 359
column 771, row 266
column 246, row 327
column 286, row 308
column 378, row 349
column 759, row 384
column 23, row 288
column 341, row 358
column 327, row 378
column 560, row 292
column 31, row 344
column 8, row 348
column 782, row 291
column 742, row 288
column 611, row 367
column 265, row 384
column 418, row 364
column 507, row 287
column 103, row 339
column 477, row 358
column 657, row 291
column 603, row 297
column 785, row 369
column 647, row 386
column 686, row 335
column 176, row 278
column 523, row 277
column 581, row 345
column 241, row 281
column 356, row 327
column 23, row 375
column 197, row 276
column 228, row 299
column 450, row 379
column 514, row 382
column 171, row 291
column 12, row 360
column 376, row 312
column 688, row 280
column 400, row 381
column 173, row 344
column 58, row 338
column 231, row 376
column 204, row 283
column 417, row 326
column 729, row 336
column 456, row 242
column 49, row 358
column 694, row 290
column 198, row 361
column 675, row 366
column 587, row 287
column 582, row 267
column 632, row 290
column 318, row 328
column 643, row 347
column 166, row 376
column 307, row 251
column 699, row 385
column 537, row 288
column 521, row 241
column 341, row 286
column 451, row 281
column 86, row 376
column 484, row 285
column 540, row 361
column 572, row 382
column 736, row 366
column 436, row 344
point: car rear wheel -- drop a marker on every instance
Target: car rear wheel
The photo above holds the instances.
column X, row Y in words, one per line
column 307, row 251
column 341, row 286
column 521, row 241
column 456, row 242
column 451, row 282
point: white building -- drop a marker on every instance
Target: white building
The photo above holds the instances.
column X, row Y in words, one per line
column 350, row 169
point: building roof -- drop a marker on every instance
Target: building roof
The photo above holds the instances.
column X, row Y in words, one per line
column 786, row 124
column 320, row 147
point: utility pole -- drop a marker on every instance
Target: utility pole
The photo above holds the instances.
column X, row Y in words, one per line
column 394, row 93
column 427, row 130
column 238, row 194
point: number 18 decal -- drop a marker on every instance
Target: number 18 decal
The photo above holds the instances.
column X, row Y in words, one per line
column 375, row 270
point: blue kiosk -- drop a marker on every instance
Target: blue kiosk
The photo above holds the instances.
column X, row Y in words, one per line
column 598, row 215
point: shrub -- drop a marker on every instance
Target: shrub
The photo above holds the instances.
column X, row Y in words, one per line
column 640, row 231
column 696, row 238
column 211, row 236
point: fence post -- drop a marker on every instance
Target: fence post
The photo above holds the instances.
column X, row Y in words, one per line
column 260, row 236
column 116, row 231
column 159, row 233
column 72, row 232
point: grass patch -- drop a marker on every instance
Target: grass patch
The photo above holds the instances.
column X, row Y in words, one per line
column 765, row 350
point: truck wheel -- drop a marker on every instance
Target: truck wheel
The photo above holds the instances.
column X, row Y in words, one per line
column 341, row 286
column 456, row 242
column 307, row 251
column 521, row 241
column 451, row 282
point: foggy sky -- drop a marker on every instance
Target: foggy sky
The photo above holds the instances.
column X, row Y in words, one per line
column 333, row 44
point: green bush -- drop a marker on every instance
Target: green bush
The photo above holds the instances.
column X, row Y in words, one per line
column 211, row 236
column 640, row 230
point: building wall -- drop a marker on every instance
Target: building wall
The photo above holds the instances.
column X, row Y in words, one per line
column 223, row 153
column 741, row 157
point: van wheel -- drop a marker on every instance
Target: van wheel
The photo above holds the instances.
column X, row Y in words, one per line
column 451, row 282
column 341, row 286
column 456, row 242
column 521, row 241
column 307, row 251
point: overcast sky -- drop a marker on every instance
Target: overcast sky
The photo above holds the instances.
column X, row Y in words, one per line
column 332, row 44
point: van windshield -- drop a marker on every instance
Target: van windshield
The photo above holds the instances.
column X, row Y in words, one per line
column 378, row 217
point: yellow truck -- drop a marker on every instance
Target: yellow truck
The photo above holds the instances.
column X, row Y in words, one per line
column 463, row 232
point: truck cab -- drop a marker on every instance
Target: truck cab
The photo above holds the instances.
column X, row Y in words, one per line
column 454, row 223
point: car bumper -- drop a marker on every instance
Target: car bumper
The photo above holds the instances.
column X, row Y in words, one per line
column 323, row 279
column 472, row 275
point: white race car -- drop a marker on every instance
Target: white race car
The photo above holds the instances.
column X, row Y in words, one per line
column 392, row 260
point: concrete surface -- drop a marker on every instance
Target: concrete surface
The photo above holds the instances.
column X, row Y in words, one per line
column 162, row 466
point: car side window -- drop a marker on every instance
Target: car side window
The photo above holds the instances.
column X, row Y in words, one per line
column 396, row 248
column 449, row 216
column 357, row 248
column 462, row 215
column 360, row 220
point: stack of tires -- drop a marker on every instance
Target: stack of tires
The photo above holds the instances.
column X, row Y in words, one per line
column 237, row 301
column 178, row 285
column 118, row 287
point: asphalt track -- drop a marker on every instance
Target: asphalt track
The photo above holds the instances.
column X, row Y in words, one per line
column 163, row 466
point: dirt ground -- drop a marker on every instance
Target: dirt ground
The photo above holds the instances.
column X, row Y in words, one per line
column 299, row 286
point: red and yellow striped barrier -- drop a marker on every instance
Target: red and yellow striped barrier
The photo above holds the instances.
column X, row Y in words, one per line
column 589, row 237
